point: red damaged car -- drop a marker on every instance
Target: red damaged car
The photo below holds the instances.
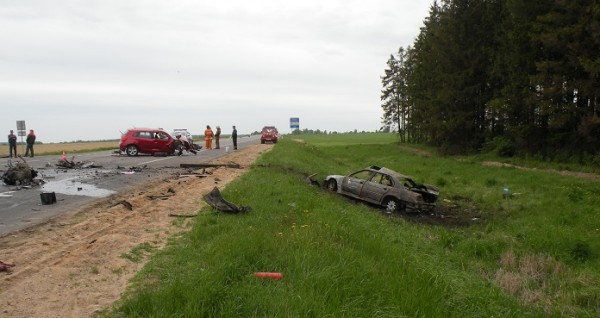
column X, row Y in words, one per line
column 146, row 140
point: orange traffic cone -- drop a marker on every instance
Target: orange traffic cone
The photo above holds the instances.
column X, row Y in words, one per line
column 64, row 156
column 277, row 276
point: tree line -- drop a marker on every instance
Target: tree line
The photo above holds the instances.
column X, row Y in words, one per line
column 517, row 77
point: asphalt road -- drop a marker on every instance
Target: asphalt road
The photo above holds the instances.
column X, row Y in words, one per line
column 21, row 207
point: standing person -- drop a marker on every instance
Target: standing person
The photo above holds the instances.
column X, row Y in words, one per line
column 217, row 137
column 208, row 136
column 12, row 144
column 30, row 141
column 234, row 138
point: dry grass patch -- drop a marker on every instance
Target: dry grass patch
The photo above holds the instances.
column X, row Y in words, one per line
column 74, row 147
column 531, row 278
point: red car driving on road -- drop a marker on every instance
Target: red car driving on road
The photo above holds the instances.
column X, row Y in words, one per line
column 269, row 133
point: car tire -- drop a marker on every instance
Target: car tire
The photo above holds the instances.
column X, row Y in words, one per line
column 392, row 205
column 332, row 185
column 132, row 150
column 262, row 141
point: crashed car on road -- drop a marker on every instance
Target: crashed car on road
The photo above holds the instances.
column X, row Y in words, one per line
column 146, row 140
column 387, row 188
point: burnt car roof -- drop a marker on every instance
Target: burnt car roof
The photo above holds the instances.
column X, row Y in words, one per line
column 390, row 172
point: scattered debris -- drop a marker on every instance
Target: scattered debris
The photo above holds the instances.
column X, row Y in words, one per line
column 72, row 164
column 162, row 196
column 215, row 200
column 230, row 164
column 19, row 174
column 48, row 198
column 126, row 204
column 133, row 169
column 311, row 181
column 5, row 267
column 194, row 175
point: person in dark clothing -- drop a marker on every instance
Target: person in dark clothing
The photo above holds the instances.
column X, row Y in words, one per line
column 30, row 141
column 217, row 138
column 234, row 138
column 12, row 144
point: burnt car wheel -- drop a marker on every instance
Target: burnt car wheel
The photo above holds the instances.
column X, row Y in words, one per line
column 392, row 205
column 332, row 185
column 132, row 150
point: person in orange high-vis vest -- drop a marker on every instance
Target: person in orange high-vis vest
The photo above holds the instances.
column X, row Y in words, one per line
column 208, row 137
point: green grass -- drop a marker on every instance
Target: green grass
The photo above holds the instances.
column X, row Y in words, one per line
column 347, row 139
column 535, row 255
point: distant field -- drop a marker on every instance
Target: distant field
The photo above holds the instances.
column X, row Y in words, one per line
column 346, row 139
column 58, row 148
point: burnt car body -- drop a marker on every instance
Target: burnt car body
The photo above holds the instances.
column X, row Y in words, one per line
column 387, row 188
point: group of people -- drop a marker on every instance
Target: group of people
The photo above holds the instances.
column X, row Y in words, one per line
column 209, row 135
column 208, row 138
column 12, row 144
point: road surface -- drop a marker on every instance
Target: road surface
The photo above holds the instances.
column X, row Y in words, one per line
column 21, row 207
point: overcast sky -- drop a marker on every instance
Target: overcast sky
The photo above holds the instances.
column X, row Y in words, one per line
column 85, row 70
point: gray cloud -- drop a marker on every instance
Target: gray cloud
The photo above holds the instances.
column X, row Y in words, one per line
column 104, row 66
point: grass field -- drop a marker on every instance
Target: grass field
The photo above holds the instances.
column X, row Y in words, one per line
column 535, row 255
column 58, row 148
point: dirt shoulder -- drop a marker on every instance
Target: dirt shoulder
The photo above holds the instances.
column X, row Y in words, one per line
column 73, row 265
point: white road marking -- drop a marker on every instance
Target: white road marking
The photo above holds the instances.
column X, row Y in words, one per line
column 155, row 160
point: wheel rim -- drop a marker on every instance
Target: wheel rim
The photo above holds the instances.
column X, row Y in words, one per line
column 132, row 150
column 391, row 205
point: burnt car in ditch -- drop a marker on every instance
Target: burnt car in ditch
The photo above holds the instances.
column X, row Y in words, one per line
column 387, row 188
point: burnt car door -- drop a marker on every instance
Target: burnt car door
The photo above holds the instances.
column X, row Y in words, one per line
column 374, row 189
column 353, row 184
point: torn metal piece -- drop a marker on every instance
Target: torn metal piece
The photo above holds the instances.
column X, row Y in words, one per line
column 72, row 164
column 311, row 181
column 126, row 204
column 215, row 200
column 162, row 196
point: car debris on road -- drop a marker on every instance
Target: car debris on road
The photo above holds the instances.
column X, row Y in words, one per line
column 230, row 164
column 20, row 174
column 72, row 164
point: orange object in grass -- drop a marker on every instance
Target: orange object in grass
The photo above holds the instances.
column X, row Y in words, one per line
column 272, row 275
